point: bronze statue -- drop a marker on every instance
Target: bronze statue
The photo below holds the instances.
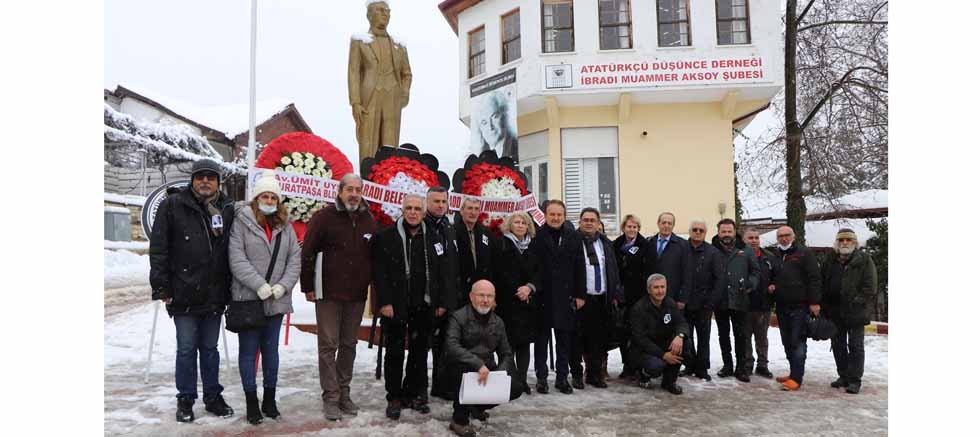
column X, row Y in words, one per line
column 379, row 78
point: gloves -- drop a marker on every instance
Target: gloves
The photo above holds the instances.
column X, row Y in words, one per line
column 264, row 291
column 278, row 291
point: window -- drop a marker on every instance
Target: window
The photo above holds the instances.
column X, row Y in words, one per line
column 478, row 49
column 615, row 29
column 510, row 33
column 733, row 21
column 557, row 27
column 673, row 23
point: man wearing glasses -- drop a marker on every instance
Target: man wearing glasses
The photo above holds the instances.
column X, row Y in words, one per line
column 708, row 273
column 189, row 272
column 796, row 289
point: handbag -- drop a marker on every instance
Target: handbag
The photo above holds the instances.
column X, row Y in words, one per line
column 243, row 315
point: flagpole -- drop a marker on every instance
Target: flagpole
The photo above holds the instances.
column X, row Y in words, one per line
column 250, row 154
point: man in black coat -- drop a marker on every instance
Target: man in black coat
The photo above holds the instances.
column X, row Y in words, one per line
column 670, row 256
column 189, row 272
column 760, row 306
column 796, row 289
column 473, row 336
column 436, row 208
column 708, row 272
column 559, row 284
column 850, row 283
column 732, row 305
column 603, row 292
column 409, row 283
column 658, row 336
column 474, row 243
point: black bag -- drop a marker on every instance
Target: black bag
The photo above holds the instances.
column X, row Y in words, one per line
column 619, row 324
column 820, row 328
column 243, row 315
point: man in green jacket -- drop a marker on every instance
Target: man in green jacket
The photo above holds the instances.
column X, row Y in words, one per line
column 850, row 283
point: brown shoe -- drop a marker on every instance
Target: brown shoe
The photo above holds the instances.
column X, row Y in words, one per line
column 462, row 430
column 347, row 406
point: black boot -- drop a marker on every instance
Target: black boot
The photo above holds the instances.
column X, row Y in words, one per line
column 216, row 405
column 252, row 413
column 853, row 387
column 185, row 410
column 839, row 383
column 269, row 404
column 726, row 372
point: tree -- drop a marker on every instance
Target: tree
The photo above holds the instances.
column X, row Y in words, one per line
column 835, row 107
column 877, row 247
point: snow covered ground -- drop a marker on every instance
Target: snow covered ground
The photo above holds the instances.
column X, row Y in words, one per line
column 719, row 407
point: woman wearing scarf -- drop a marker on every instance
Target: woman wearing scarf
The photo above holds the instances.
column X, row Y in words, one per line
column 630, row 248
column 516, row 304
column 261, row 225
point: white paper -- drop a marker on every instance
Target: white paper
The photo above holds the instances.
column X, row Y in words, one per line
column 318, row 276
column 497, row 390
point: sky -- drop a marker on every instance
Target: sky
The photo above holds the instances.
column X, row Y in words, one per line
column 198, row 52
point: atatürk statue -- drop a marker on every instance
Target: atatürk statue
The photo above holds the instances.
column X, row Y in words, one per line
column 378, row 80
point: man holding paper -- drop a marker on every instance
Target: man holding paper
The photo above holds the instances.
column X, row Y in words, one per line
column 473, row 336
column 339, row 238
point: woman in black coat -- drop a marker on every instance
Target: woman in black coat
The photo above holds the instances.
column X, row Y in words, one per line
column 513, row 269
column 630, row 248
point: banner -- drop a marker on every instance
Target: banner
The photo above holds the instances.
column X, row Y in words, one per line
column 322, row 189
column 658, row 73
column 493, row 115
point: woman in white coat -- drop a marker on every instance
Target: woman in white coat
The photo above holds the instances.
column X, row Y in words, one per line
column 259, row 223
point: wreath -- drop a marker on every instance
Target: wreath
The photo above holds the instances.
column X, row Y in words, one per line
column 306, row 154
column 490, row 177
column 402, row 168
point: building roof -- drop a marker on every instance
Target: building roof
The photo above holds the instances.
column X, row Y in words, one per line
column 861, row 204
column 225, row 121
column 451, row 9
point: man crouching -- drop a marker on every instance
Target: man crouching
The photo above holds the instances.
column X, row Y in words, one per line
column 658, row 336
column 473, row 335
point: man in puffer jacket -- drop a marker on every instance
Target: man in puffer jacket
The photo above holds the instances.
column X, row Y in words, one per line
column 850, row 283
column 189, row 272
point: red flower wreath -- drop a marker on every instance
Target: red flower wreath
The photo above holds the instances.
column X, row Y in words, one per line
column 302, row 142
column 487, row 169
column 383, row 172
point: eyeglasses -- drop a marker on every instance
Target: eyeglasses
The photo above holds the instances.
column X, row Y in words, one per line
column 784, row 235
column 202, row 176
column 693, row 230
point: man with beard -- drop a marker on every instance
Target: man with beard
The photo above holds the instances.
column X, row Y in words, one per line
column 760, row 306
column 850, row 283
column 658, row 336
column 410, row 296
column 436, row 208
column 474, row 335
column 796, row 289
column 560, row 286
column 732, row 305
column 603, row 291
column 189, row 272
column 709, row 275
column 342, row 233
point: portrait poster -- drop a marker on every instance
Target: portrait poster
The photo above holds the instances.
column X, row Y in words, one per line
column 493, row 115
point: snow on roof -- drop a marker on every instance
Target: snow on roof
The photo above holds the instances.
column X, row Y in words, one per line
column 822, row 233
column 229, row 119
column 125, row 199
column 774, row 205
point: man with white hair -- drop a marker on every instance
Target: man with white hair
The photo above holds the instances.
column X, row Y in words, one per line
column 410, row 296
column 342, row 233
column 796, row 290
column 850, row 283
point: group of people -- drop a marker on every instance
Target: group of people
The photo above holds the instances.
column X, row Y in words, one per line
column 477, row 302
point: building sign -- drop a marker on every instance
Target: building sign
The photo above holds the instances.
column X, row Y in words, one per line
column 557, row 76
column 663, row 73
column 493, row 115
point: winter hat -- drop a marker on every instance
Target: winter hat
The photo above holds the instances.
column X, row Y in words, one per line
column 206, row 165
column 847, row 233
column 266, row 183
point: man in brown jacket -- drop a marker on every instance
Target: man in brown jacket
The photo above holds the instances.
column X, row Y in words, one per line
column 342, row 233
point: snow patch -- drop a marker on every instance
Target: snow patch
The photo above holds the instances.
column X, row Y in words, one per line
column 823, row 233
column 117, row 209
column 122, row 268
column 130, row 245
column 363, row 37
column 125, row 199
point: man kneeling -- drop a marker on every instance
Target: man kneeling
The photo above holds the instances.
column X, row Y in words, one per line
column 473, row 335
column 658, row 336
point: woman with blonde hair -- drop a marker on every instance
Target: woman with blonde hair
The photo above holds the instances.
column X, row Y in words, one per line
column 630, row 247
column 264, row 257
column 513, row 269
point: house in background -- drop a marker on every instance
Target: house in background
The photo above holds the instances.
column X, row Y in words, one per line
column 151, row 139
